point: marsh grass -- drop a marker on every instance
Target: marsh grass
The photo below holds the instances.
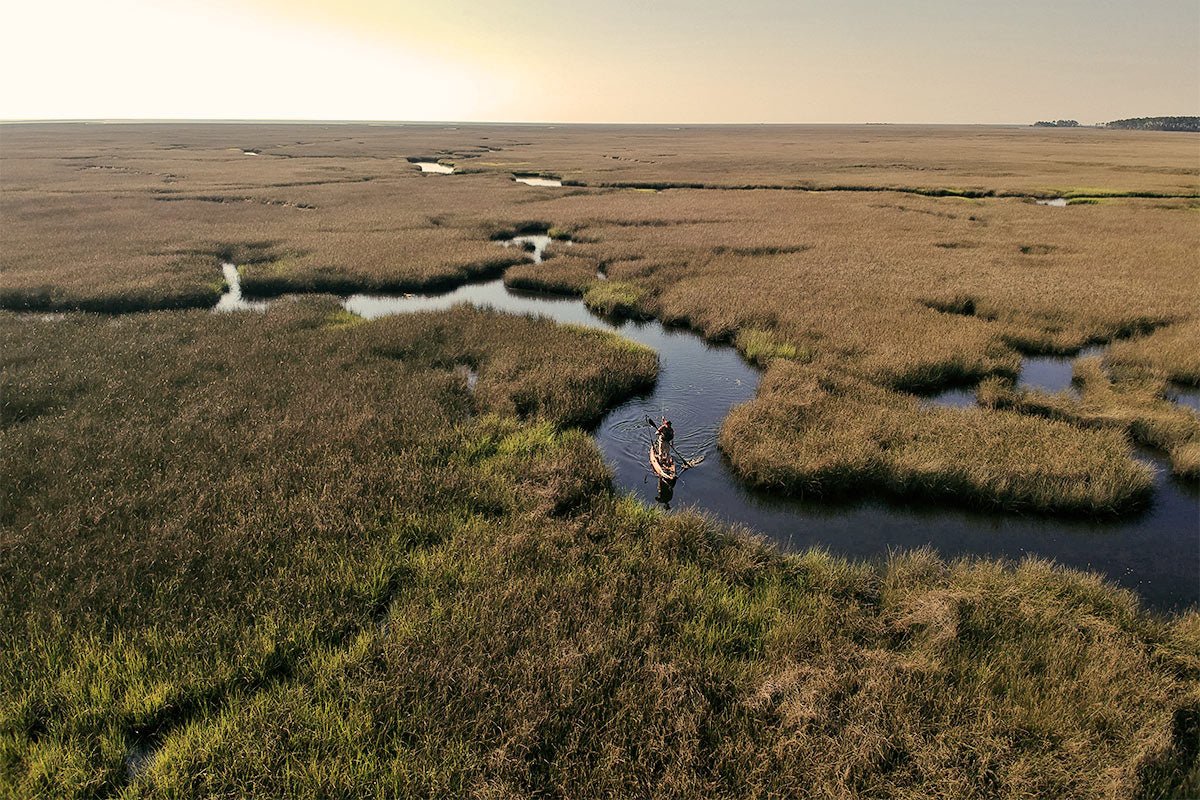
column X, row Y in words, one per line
column 852, row 279
column 558, row 275
column 761, row 347
column 293, row 588
column 1132, row 403
column 614, row 299
column 811, row 431
column 288, row 276
column 1170, row 352
column 292, row 554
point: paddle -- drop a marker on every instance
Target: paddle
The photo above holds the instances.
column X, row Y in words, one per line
column 686, row 464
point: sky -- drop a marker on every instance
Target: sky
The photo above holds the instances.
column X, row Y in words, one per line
column 930, row 61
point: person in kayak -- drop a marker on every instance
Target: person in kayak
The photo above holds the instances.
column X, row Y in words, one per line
column 666, row 435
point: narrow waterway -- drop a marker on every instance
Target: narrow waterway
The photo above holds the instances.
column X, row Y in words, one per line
column 534, row 180
column 434, row 168
column 1157, row 553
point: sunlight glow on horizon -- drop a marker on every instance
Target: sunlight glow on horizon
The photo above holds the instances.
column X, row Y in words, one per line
column 167, row 61
column 936, row 61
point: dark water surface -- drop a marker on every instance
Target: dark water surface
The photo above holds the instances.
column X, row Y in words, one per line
column 1157, row 553
column 1052, row 374
column 1185, row 396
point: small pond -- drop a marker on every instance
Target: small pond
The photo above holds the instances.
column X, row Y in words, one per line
column 434, row 167
column 953, row 398
column 534, row 244
column 1052, row 373
column 533, row 180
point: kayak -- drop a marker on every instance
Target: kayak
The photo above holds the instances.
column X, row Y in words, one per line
column 665, row 471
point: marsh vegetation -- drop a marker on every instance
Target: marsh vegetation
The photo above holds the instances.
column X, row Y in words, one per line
column 299, row 552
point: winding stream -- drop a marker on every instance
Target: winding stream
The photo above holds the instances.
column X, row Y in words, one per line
column 1156, row 553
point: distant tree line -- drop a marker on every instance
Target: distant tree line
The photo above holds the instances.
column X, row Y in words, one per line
column 1191, row 124
column 1058, row 123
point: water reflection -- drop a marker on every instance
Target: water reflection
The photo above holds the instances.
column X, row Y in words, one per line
column 1188, row 396
column 952, row 398
column 1156, row 553
column 533, row 180
column 232, row 299
column 434, row 167
column 534, row 244
column 1052, row 373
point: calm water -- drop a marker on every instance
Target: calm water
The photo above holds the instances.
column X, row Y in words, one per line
column 1057, row 202
column 1157, row 553
column 1051, row 373
column 534, row 244
column 232, row 300
column 953, row 398
column 1185, row 395
column 434, row 167
column 535, row 181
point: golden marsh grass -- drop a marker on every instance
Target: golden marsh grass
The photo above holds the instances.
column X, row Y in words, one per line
column 298, row 554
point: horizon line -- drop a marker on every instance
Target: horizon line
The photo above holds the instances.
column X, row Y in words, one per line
column 537, row 123
column 345, row 121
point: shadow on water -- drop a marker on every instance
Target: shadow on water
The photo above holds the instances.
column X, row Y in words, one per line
column 1156, row 553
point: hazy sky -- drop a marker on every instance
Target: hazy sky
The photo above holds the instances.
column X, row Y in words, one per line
column 601, row 61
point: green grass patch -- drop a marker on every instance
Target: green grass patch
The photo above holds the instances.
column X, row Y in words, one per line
column 342, row 318
column 760, row 347
column 614, row 298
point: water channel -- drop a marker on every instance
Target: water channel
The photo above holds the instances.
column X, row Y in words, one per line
column 534, row 180
column 434, row 167
column 1156, row 553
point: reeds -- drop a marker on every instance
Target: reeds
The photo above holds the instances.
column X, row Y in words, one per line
column 860, row 282
column 285, row 555
column 815, row 432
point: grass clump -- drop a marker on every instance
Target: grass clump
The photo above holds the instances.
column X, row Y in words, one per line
column 342, row 319
column 760, row 347
column 614, row 298
column 1171, row 352
column 959, row 304
column 1133, row 403
column 813, row 431
column 561, row 274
